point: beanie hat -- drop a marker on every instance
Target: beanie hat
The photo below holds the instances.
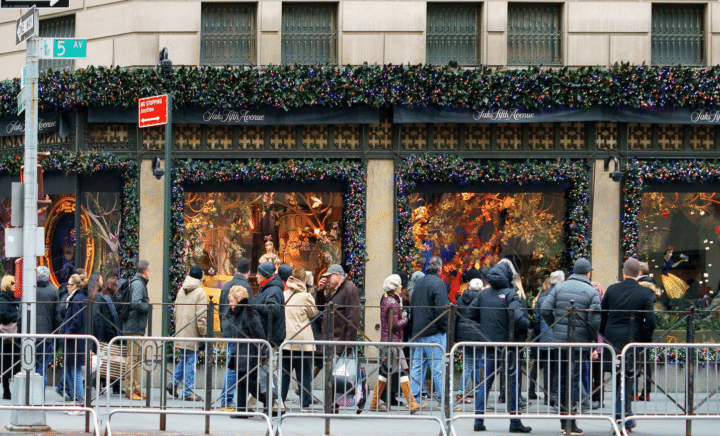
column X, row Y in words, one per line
column 43, row 274
column 472, row 273
column 284, row 271
column 266, row 269
column 243, row 265
column 196, row 272
column 391, row 283
column 475, row 285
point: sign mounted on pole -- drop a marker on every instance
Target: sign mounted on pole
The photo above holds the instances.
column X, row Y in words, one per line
column 152, row 111
column 37, row 4
column 23, row 99
column 62, row 48
column 25, row 26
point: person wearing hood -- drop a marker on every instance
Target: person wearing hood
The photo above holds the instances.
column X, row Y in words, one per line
column 299, row 310
column 190, row 322
column 492, row 309
column 46, row 320
column 75, row 350
column 270, row 300
column 467, row 329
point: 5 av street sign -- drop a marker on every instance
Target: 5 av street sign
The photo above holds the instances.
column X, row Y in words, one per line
column 152, row 111
column 62, row 48
column 25, row 26
column 38, row 4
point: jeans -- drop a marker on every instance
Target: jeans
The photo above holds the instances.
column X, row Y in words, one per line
column 420, row 362
column 73, row 383
column 228, row 392
column 44, row 350
column 628, row 397
column 186, row 367
column 472, row 370
column 494, row 360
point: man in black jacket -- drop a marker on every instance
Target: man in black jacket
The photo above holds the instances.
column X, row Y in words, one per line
column 46, row 319
column 627, row 316
column 493, row 309
column 428, row 302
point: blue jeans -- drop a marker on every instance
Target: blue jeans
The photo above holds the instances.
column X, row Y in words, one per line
column 228, row 392
column 44, row 354
column 628, row 398
column 186, row 367
column 74, row 388
column 491, row 361
column 424, row 356
column 472, row 370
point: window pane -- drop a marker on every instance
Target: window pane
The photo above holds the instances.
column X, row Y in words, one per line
column 534, row 34
column 453, row 34
column 227, row 34
column 678, row 35
column 63, row 27
column 309, row 34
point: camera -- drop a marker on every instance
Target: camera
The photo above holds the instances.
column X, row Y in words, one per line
column 156, row 170
column 617, row 176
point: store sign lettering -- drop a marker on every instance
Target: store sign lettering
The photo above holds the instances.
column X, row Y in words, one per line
column 705, row 115
column 501, row 115
column 18, row 126
column 231, row 116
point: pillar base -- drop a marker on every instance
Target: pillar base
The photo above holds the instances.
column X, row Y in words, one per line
column 28, row 428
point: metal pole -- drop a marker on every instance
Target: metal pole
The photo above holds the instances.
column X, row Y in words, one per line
column 452, row 316
column 569, row 381
column 329, row 353
column 167, row 235
column 690, row 389
column 148, row 375
column 208, row 361
column 88, row 362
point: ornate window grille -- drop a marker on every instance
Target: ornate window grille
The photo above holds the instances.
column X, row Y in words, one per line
column 534, row 34
column 309, row 34
column 453, row 34
column 678, row 35
column 62, row 27
column 227, row 35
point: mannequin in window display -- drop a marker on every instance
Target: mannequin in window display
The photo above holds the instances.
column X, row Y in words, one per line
column 675, row 287
column 270, row 253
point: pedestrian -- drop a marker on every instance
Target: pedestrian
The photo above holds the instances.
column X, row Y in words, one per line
column 597, row 364
column 647, row 282
column 627, row 316
column 106, row 321
column 46, row 322
column 136, row 325
column 496, row 308
column 190, row 322
column 576, row 292
column 61, row 310
column 544, row 334
column 9, row 315
column 242, row 274
column 468, row 329
column 299, row 310
column 75, row 356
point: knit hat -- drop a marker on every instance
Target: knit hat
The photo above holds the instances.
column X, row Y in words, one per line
column 582, row 266
column 243, row 265
column 391, row 283
column 43, row 274
column 475, row 285
column 196, row 272
column 266, row 269
column 472, row 273
column 284, row 271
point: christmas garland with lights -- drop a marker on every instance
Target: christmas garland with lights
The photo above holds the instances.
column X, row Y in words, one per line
column 641, row 173
column 453, row 170
column 286, row 86
column 352, row 175
column 65, row 162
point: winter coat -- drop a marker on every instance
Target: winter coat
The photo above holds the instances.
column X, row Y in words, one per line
column 620, row 298
column 467, row 329
column 429, row 301
column 493, row 306
column 61, row 307
column 106, row 322
column 9, row 309
column 555, row 307
column 47, row 298
column 270, row 298
column 346, row 299
column 76, row 324
column 246, row 325
column 299, row 310
column 391, row 306
column 137, row 320
column 540, row 326
column 224, row 304
column 190, row 313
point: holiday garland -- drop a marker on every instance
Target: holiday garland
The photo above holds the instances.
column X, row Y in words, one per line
column 639, row 174
column 285, row 86
column 453, row 170
column 65, row 162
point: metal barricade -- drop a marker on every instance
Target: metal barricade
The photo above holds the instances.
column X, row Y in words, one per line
column 349, row 372
column 156, row 373
column 681, row 381
column 66, row 365
column 572, row 374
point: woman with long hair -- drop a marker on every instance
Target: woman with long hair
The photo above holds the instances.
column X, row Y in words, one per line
column 542, row 332
column 9, row 314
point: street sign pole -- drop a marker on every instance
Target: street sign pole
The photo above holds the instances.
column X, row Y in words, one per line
column 167, row 235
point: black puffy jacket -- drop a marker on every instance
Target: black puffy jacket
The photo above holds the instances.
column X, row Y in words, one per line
column 270, row 299
column 9, row 309
column 46, row 315
column 467, row 329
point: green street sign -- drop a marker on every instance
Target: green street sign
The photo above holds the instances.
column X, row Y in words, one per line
column 63, row 48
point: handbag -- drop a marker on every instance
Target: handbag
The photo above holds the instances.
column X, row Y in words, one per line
column 7, row 329
column 345, row 373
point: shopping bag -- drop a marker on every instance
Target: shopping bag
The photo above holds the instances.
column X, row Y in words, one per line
column 345, row 374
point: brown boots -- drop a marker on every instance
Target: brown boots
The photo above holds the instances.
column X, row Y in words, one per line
column 405, row 388
column 377, row 394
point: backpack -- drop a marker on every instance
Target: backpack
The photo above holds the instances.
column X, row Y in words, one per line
column 123, row 297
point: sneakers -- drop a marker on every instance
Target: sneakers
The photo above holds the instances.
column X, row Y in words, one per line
column 228, row 408
column 519, row 428
column 479, row 427
column 574, row 431
column 137, row 395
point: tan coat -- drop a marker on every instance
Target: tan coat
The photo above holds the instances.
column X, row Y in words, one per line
column 191, row 302
column 299, row 309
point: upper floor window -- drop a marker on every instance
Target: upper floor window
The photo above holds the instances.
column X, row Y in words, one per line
column 227, row 35
column 453, row 34
column 62, row 27
column 309, row 33
column 534, row 34
column 678, row 35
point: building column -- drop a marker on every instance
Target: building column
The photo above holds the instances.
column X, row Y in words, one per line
column 605, row 226
column 151, row 237
column 379, row 237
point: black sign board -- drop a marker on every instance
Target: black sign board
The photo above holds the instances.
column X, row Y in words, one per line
column 26, row 4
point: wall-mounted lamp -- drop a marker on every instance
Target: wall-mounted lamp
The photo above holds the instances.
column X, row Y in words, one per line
column 165, row 62
column 616, row 175
column 156, row 170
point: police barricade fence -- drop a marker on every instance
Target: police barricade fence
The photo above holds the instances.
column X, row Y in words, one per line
column 564, row 381
column 670, row 381
column 64, row 367
column 161, row 375
column 359, row 379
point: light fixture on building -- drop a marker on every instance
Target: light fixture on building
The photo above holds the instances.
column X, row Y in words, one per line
column 165, row 62
column 616, row 175
column 157, row 171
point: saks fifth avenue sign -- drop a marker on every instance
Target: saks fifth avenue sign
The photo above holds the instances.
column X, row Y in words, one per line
column 501, row 115
column 706, row 116
column 16, row 126
column 231, row 116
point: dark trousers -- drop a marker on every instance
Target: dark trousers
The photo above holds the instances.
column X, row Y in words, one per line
column 569, row 378
column 302, row 363
column 247, row 384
